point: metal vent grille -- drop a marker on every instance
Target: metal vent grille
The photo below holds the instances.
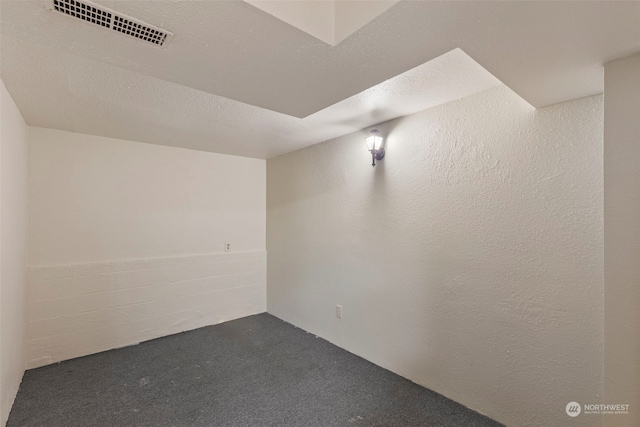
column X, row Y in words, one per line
column 108, row 18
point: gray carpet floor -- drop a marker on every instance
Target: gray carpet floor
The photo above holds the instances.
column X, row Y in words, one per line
column 255, row 371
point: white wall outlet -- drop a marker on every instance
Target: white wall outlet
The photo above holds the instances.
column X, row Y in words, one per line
column 339, row 311
column 227, row 247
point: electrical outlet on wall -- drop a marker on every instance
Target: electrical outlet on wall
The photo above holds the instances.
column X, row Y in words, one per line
column 227, row 247
column 339, row 311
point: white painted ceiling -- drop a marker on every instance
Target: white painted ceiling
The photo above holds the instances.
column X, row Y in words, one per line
column 237, row 80
column 328, row 20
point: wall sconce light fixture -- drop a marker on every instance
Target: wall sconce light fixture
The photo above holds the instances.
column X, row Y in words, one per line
column 374, row 145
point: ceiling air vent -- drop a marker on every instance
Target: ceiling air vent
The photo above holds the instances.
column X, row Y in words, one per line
column 108, row 18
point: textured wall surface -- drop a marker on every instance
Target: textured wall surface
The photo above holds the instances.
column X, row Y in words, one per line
column 127, row 242
column 14, row 135
column 469, row 260
column 95, row 199
column 622, row 238
column 75, row 310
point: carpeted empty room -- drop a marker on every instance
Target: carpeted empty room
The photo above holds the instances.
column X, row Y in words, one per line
column 249, row 213
column 254, row 371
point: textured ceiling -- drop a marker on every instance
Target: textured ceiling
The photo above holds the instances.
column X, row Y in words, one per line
column 237, row 80
column 87, row 96
column 328, row 20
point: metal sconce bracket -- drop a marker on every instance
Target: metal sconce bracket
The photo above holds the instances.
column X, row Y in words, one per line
column 376, row 155
column 374, row 145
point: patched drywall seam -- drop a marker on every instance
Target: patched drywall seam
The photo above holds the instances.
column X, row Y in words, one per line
column 469, row 260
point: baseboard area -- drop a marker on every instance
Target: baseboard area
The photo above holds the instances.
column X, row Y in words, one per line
column 81, row 309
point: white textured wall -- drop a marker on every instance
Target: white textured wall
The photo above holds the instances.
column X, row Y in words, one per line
column 14, row 135
column 622, row 237
column 75, row 310
column 127, row 240
column 469, row 260
column 101, row 199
